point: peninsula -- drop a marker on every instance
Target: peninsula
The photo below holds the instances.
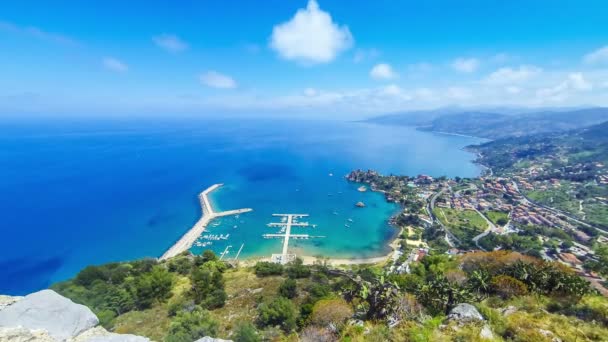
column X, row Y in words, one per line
column 188, row 239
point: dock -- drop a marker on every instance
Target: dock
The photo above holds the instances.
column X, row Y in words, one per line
column 287, row 222
column 208, row 215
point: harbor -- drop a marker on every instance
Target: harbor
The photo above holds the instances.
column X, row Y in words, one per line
column 208, row 215
column 287, row 222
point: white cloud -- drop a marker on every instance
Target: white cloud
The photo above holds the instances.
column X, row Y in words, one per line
column 421, row 67
column 365, row 54
column 170, row 42
column 382, row 71
column 392, row 89
column 114, row 64
column 467, row 65
column 458, row 93
column 310, row 92
column 310, row 36
column 215, row 79
column 513, row 90
column 575, row 82
column 37, row 33
column 597, row 57
column 508, row 75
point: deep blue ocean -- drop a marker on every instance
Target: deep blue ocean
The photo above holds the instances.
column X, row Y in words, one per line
column 80, row 192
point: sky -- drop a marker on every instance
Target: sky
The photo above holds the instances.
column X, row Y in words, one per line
column 323, row 58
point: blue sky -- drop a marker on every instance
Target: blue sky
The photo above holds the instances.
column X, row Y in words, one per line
column 325, row 57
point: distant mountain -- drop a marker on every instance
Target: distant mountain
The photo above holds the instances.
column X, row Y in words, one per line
column 495, row 125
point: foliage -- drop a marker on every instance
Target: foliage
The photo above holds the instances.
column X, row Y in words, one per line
column 279, row 311
column 190, row 326
column 288, row 288
column 331, row 311
column 265, row 268
column 245, row 332
column 297, row 269
column 208, row 285
column 506, row 286
column 154, row 286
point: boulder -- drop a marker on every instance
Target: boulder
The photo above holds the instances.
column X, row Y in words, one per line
column 464, row 313
column 46, row 310
column 19, row 334
column 99, row 334
column 211, row 339
column 8, row 300
column 486, row 333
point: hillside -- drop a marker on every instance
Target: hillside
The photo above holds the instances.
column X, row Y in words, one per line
column 493, row 125
column 474, row 297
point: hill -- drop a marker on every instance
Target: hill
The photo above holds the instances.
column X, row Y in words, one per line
column 495, row 125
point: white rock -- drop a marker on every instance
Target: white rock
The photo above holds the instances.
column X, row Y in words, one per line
column 486, row 333
column 211, row 339
column 19, row 334
column 8, row 300
column 465, row 313
column 47, row 310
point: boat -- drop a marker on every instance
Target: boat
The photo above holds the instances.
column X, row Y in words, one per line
column 346, row 225
column 350, row 220
column 362, row 188
column 335, row 213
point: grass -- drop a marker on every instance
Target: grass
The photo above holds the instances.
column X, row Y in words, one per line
column 494, row 216
column 152, row 323
column 464, row 224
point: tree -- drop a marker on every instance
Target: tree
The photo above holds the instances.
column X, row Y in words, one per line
column 265, row 268
column 296, row 269
column 190, row 326
column 153, row 286
column 208, row 286
column 288, row 288
column 245, row 332
column 280, row 311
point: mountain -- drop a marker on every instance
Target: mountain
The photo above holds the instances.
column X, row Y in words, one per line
column 495, row 125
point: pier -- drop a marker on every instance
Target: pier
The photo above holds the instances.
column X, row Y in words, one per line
column 208, row 215
column 287, row 222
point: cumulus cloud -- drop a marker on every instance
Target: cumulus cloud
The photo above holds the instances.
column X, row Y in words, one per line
column 573, row 83
column 114, row 64
column 170, row 42
column 467, row 65
column 382, row 71
column 217, row 80
column 512, row 75
column 597, row 57
column 311, row 36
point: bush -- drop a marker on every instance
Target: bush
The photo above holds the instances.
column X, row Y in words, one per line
column 280, row 311
column 190, row 326
column 265, row 268
column 208, row 285
column 245, row 332
column 297, row 270
column 506, row 286
column 153, row 286
column 288, row 288
column 331, row 311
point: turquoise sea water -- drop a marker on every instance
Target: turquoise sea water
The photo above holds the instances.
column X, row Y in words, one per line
column 74, row 193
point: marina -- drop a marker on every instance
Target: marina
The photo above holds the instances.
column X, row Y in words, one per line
column 208, row 214
column 288, row 221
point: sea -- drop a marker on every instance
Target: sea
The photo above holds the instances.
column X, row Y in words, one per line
column 77, row 192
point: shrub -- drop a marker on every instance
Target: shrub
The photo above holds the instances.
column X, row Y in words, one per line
column 288, row 288
column 331, row 311
column 245, row 332
column 190, row 326
column 265, row 268
column 153, row 286
column 280, row 311
column 297, row 270
column 506, row 286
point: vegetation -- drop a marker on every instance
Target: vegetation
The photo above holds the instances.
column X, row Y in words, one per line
column 201, row 296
